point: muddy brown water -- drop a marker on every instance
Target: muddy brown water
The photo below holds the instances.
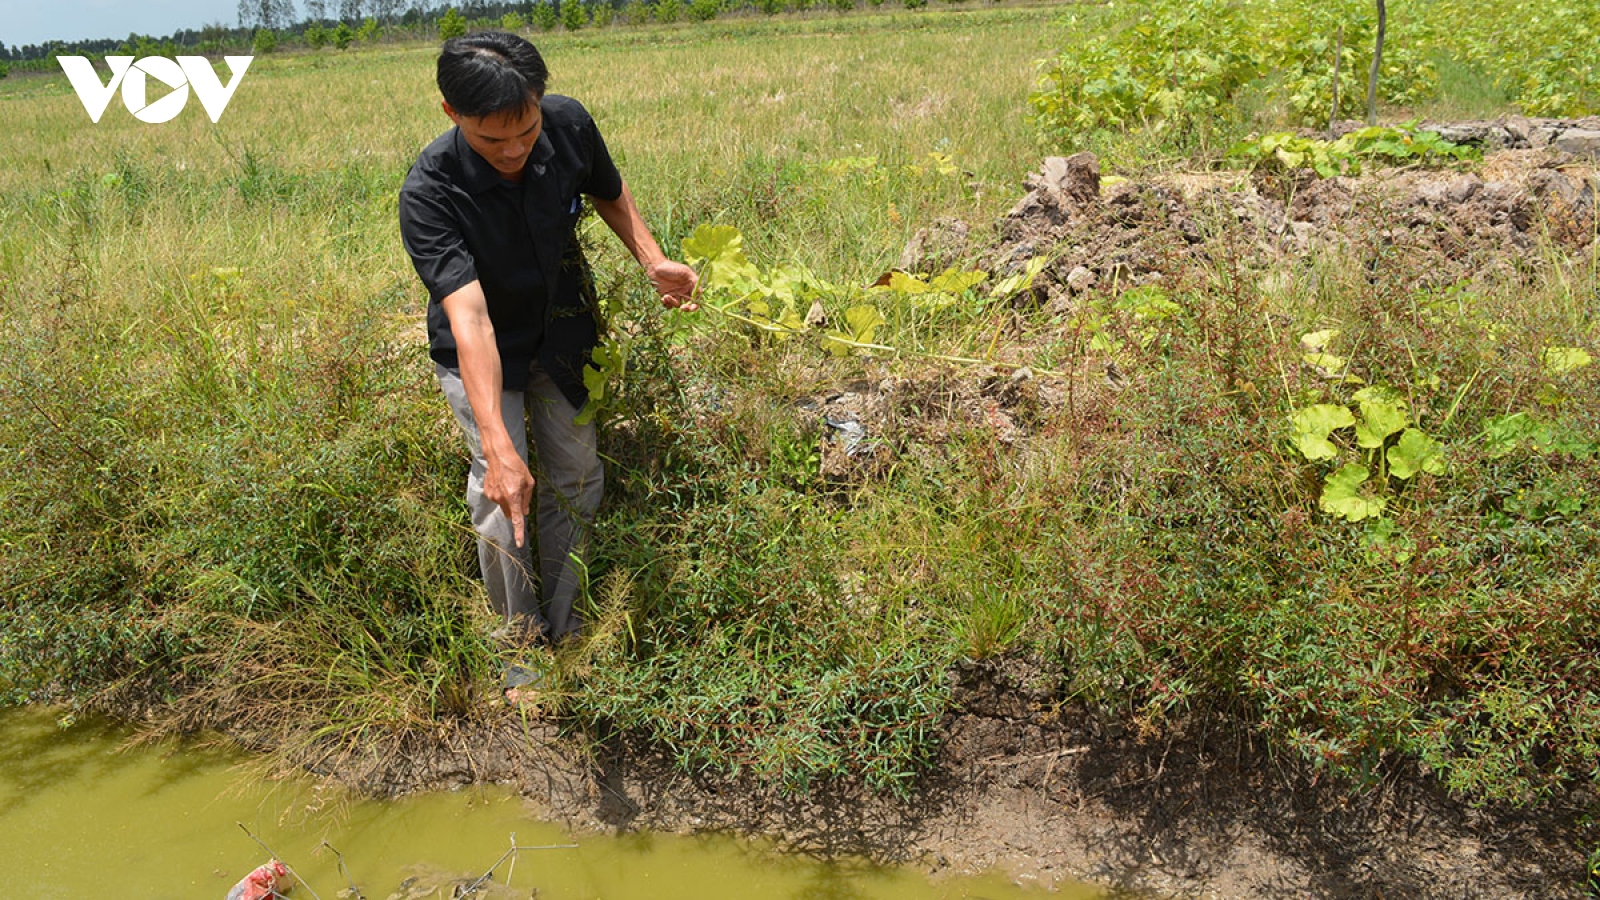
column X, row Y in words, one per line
column 83, row 814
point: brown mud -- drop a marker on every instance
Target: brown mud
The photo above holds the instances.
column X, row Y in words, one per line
column 1046, row 789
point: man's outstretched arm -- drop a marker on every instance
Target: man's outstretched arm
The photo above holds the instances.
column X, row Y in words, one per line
column 508, row 483
column 674, row 281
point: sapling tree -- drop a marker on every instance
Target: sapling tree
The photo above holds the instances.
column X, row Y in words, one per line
column 452, row 24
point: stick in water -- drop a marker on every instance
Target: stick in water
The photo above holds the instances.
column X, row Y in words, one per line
column 263, row 845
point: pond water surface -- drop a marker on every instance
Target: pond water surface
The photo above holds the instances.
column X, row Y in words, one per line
column 83, row 816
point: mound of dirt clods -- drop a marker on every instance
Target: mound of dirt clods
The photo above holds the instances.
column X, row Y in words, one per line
column 1416, row 229
column 1450, row 225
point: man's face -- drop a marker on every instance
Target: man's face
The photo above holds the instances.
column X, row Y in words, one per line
column 504, row 140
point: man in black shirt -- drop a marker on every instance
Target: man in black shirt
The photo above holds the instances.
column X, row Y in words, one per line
column 488, row 215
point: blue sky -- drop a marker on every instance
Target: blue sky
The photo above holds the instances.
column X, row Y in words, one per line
column 36, row 21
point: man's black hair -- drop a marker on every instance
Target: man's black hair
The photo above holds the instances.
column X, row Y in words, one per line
column 491, row 73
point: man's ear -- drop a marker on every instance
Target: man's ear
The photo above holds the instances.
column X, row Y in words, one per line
column 450, row 111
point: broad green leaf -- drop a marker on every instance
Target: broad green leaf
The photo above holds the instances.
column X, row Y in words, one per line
column 863, row 321
column 713, row 242
column 1341, row 494
column 1379, row 419
column 1326, row 363
column 1105, row 343
column 717, row 250
column 791, row 321
column 1012, row 285
column 904, row 283
column 951, row 281
column 1313, row 424
column 785, row 282
column 1149, row 303
column 1416, row 452
column 608, row 359
column 1504, row 433
column 780, row 324
column 1561, row 360
column 1316, row 340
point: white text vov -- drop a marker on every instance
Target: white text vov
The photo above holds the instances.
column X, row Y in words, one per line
column 132, row 76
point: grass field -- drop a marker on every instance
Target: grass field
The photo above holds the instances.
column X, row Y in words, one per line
column 230, row 488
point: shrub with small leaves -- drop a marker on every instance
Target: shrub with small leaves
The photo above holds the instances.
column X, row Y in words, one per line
column 544, row 16
column 343, row 36
column 452, row 24
column 704, row 10
column 573, row 15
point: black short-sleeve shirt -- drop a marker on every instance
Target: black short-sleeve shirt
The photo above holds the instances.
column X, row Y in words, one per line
column 461, row 221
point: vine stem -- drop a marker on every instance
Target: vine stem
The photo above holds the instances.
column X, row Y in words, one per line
column 777, row 328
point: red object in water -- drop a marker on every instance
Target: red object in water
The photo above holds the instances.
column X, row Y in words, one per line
column 267, row 881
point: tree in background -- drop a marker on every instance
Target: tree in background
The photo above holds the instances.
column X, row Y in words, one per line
column 317, row 11
column 266, row 41
column 385, row 11
column 544, row 15
column 343, row 35
column 451, row 24
column 352, row 10
column 573, row 15
column 316, row 36
column 267, row 14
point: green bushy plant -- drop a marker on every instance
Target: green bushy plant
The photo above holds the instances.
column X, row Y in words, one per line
column 544, row 16
column 637, row 12
column 703, row 10
column 1184, row 67
column 1179, row 63
column 452, row 24
column 574, row 15
column 1548, row 70
column 666, row 11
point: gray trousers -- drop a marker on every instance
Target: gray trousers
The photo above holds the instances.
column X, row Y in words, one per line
column 568, row 483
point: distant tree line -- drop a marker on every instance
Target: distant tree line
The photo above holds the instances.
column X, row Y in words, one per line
column 266, row 25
